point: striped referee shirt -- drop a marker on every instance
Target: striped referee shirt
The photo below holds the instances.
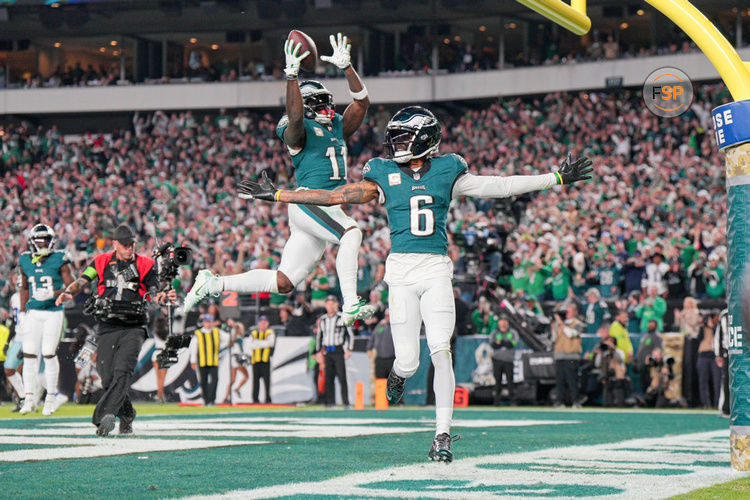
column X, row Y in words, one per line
column 331, row 332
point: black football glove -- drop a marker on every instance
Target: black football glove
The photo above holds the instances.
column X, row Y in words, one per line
column 252, row 190
column 575, row 170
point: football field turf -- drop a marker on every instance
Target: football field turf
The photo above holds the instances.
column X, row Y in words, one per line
column 317, row 453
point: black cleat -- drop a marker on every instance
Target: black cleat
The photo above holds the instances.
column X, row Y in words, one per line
column 441, row 448
column 106, row 425
column 17, row 408
column 126, row 425
column 394, row 390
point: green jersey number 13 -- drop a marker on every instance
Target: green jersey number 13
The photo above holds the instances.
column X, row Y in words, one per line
column 421, row 219
column 331, row 155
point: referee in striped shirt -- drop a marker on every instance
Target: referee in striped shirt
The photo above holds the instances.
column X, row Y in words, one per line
column 334, row 342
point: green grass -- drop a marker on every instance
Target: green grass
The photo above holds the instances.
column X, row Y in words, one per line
column 738, row 489
column 297, row 459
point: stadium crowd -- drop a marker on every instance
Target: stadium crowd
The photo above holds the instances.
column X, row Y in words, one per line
column 414, row 58
column 648, row 232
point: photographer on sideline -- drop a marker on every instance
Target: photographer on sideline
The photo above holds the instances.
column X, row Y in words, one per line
column 124, row 279
column 606, row 371
column 566, row 335
column 659, row 394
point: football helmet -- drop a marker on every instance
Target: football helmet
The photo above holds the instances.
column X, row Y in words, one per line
column 41, row 240
column 413, row 132
column 317, row 101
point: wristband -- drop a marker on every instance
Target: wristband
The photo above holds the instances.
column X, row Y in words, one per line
column 559, row 178
column 276, row 195
column 359, row 95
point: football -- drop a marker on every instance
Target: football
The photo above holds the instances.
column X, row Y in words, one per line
column 308, row 63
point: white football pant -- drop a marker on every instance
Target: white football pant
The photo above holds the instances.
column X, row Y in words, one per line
column 430, row 300
column 311, row 229
column 42, row 329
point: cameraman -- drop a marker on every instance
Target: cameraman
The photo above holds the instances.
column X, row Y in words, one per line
column 606, row 371
column 659, row 394
column 123, row 279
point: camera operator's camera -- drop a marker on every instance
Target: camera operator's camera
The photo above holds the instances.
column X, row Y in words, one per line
column 605, row 347
column 168, row 356
column 169, row 258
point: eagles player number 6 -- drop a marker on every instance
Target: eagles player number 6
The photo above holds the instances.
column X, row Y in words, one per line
column 418, row 270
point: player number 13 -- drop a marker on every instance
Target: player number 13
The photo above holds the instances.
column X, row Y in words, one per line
column 421, row 219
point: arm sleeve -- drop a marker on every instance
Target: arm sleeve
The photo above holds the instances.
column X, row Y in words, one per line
column 193, row 350
column 318, row 338
column 90, row 273
column 491, row 186
column 266, row 342
column 369, row 174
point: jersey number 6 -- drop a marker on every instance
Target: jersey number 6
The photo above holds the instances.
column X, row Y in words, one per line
column 421, row 219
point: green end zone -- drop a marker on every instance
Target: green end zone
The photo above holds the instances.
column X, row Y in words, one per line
column 241, row 452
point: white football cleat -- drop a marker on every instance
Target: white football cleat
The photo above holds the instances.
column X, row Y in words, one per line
column 60, row 399
column 49, row 406
column 361, row 310
column 206, row 283
column 29, row 406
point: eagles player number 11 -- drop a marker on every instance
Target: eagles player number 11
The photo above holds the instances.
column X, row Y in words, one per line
column 331, row 155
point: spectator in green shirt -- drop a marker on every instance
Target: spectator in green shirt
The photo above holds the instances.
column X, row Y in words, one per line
column 364, row 276
column 319, row 286
column 608, row 275
column 485, row 321
column 519, row 282
column 537, row 280
column 714, row 274
column 559, row 281
column 652, row 307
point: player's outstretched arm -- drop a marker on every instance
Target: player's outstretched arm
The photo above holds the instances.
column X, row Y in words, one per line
column 501, row 187
column 341, row 58
column 294, row 135
column 354, row 193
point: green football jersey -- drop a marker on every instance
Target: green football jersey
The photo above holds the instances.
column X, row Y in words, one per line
column 417, row 202
column 43, row 274
column 321, row 164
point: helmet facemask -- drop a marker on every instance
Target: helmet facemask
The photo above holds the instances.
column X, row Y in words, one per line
column 399, row 143
column 319, row 106
column 41, row 240
column 412, row 137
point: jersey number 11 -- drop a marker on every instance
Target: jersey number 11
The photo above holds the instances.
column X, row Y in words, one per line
column 331, row 154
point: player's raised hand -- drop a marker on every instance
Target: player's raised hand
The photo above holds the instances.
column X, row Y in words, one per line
column 252, row 190
column 575, row 170
column 341, row 57
column 293, row 58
